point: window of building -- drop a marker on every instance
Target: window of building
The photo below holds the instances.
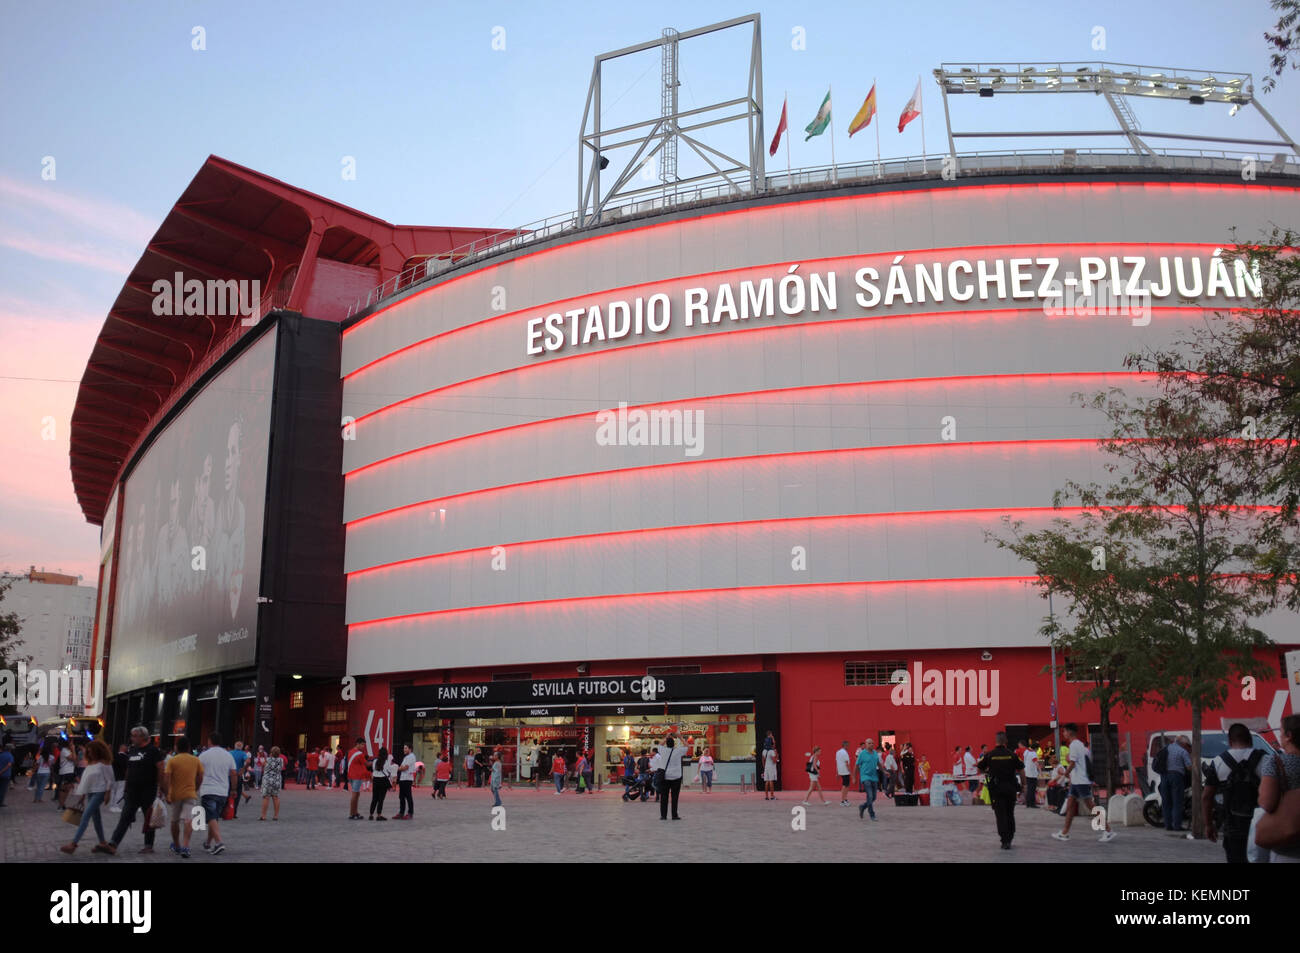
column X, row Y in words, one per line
column 512, row 677
column 295, row 700
column 333, row 715
column 872, row 673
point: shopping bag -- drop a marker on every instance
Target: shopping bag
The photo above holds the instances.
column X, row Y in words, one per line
column 72, row 810
column 157, row 815
column 229, row 812
column 984, row 795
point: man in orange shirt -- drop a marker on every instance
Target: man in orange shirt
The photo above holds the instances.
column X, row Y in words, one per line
column 557, row 772
column 313, row 767
column 184, row 774
column 358, row 772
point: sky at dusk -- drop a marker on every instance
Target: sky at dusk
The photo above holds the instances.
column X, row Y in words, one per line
column 445, row 129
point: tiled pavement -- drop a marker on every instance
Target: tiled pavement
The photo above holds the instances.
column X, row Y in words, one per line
column 723, row 826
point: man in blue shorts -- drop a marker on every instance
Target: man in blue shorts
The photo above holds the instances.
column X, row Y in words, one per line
column 1080, row 786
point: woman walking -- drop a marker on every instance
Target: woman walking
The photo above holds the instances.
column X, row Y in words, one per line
column 770, row 760
column 706, row 771
column 41, row 774
column 814, row 775
column 96, row 781
column 441, row 775
column 272, row 783
column 381, row 780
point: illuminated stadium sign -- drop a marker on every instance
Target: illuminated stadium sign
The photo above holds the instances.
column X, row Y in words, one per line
column 889, row 280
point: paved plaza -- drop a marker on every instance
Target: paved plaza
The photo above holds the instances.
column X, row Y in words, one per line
column 539, row 825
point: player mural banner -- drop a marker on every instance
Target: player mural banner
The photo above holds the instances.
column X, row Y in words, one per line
column 191, row 548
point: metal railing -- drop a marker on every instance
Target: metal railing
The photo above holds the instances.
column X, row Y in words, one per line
column 912, row 167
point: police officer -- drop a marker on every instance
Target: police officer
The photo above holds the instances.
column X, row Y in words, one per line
column 1006, row 778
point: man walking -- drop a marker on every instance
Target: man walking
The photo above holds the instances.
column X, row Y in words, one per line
column 356, row 774
column 843, row 769
column 184, row 774
column 1076, row 766
column 144, row 778
column 1173, row 784
column 1006, row 776
column 1237, row 772
column 869, row 775
column 239, row 755
column 891, row 771
column 218, row 782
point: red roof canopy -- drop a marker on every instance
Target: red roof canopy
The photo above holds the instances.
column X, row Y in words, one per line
column 309, row 254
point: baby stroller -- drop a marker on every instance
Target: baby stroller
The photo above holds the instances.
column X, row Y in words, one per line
column 636, row 787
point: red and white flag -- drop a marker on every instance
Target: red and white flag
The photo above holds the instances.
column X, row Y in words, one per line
column 913, row 107
column 780, row 130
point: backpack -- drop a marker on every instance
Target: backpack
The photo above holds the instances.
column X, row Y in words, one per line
column 1161, row 762
column 810, row 767
column 1241, row 790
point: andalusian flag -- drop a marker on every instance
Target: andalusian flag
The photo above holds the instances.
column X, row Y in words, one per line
column 863, row 118
column 821, row 120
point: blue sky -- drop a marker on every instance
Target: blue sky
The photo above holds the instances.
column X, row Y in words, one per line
column 446, row 130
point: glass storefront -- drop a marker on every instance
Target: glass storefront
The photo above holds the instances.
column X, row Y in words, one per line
column 528, row 723
column 523, row 742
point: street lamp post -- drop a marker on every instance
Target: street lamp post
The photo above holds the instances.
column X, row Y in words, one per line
column 1056, row 708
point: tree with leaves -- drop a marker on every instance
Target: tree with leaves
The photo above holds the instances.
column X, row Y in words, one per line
column 1285, row 41
column 1246, row 365
column 1176, row 499
column 1103, row 627
column 10, row 643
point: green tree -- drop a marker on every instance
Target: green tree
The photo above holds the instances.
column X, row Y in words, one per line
column 1105, row 613
column 1190, row 549
column 1246, row 366
column 1285, row 41
column 10, row 643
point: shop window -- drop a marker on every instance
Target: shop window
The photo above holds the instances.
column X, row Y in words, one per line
column 295, row 700
column 872, row 673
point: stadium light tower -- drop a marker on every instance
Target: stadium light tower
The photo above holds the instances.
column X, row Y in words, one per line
column 658, row 136
column 1116, row 82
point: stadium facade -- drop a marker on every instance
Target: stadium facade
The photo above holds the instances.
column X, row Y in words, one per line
column 727, row 465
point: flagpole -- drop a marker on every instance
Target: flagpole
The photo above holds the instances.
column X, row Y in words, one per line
column 877, row 119
column 785, row 106
column 831, row 93
column 920, row 104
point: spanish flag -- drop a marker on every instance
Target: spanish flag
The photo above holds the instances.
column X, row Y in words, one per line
column 865, row 114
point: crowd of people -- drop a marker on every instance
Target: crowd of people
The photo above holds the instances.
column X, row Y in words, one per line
column 173, row 790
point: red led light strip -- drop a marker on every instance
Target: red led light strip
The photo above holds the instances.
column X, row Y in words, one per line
column 943, row 193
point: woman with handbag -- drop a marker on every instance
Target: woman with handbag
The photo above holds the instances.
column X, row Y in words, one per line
column 814, row 769
column 1278, row 828
column 96, row 781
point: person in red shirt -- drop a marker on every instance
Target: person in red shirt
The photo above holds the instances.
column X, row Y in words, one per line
column 441, row 775
column 313, row 766
column 557, row 772
column 358, row 770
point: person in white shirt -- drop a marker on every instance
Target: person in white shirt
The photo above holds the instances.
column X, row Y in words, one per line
column 218, row 782
column 706, row 772
column 814, row 766
column 842, row 768
column 970, row 769
column 1080, row 786
column 1031, row 777
column 405, row 778
column 327, row 766
column 96, row 782
column 891, row 771
column 671, row 756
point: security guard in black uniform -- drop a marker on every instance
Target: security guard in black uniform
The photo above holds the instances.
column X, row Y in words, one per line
column 1006, row 779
